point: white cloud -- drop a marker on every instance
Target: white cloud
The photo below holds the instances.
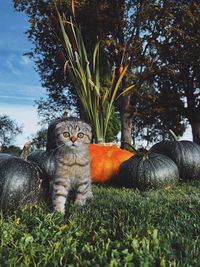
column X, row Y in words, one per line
column 20, row 93
column 26, row 62
column 22, row 87
column 23, row 114
column 17, row 64
column 11, row 64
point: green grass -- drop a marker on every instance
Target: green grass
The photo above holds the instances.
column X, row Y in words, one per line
column 119, row 227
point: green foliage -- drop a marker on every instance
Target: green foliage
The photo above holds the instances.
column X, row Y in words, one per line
column 176, row 44
column 9, row 129
column 113, row 127
column 39, row 140
column 154, row 121
column 119, row 227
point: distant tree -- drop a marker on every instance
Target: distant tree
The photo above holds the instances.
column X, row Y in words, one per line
column 179, row 79
column 152, row 121
column 174, row 41
column 39, row 140
column 48, row 110
column 171, row 37
column 9, row 129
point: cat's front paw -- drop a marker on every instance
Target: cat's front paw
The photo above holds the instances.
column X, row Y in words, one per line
column 80, row 202
column 59, row 210
column 89, row 195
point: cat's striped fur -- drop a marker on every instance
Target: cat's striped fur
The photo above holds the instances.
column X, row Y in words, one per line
column 69, row 139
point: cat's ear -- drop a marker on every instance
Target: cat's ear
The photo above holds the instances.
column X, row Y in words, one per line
column 60, row 125
column 89, row 128
column 88, row 131
column 86, row 126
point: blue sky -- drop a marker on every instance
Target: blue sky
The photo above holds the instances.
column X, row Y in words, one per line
column 19, row 82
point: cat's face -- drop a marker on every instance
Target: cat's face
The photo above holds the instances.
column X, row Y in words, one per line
column 73, row 134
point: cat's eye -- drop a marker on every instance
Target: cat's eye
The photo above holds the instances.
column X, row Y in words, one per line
column 80, row 135
column 66, row 134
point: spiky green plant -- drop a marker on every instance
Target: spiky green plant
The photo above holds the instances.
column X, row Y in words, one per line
column 97, row 103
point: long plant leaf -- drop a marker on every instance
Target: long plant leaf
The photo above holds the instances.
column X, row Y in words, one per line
column 127, row 90
column 73, row 8
column 98, row 103
column 96, row 74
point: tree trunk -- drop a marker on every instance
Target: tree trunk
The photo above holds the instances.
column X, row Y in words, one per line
column 126, row 120
column 196, row 131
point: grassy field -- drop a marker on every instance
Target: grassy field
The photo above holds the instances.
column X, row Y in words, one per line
column 119, row 227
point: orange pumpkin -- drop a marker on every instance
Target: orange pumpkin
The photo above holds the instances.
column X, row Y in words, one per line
column 105, row 161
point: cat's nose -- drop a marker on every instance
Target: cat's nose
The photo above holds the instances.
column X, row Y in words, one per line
column 73, row 139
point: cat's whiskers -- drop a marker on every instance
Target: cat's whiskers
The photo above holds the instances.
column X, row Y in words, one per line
column 55, row 150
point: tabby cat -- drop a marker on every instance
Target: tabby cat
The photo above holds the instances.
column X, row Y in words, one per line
column 69, row 140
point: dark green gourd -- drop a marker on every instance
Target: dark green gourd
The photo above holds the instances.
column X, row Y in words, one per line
column 185, row 154
column 45, row 160
column 21, row 183
column 149, row 171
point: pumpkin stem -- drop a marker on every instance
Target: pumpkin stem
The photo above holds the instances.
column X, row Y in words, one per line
column 133, row 149
column 173, row 136
column 101, row 141
column 145, row 156
column 25, row 151
column 65, row 114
